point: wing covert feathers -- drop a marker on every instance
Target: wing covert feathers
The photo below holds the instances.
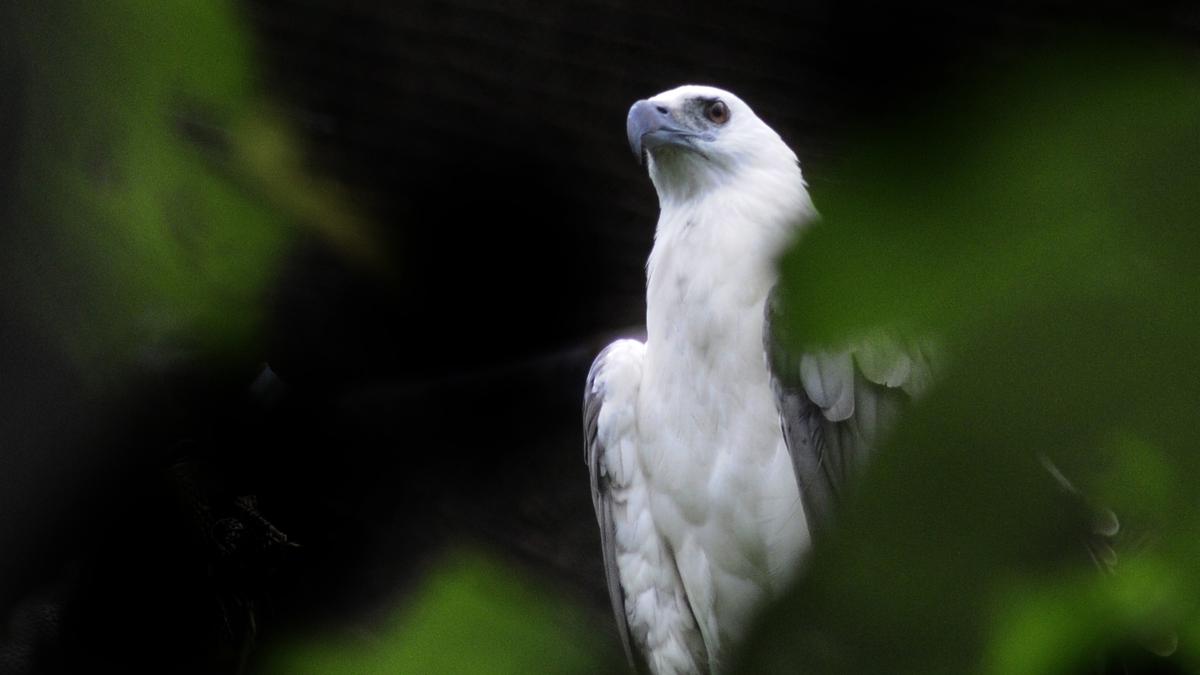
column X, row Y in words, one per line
column 654, row 617
column 836, row 406
column 594, row 456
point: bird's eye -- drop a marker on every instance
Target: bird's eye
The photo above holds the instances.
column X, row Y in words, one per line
column 717, row 112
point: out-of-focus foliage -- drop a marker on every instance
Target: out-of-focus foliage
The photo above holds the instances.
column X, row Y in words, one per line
column 153, row 184
column 471, row 615
column 1046, row 233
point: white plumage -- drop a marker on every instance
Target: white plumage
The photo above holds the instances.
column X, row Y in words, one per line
column 713, row 460
column 692, row 478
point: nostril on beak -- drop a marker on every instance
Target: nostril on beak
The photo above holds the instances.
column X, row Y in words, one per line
column 662, row 109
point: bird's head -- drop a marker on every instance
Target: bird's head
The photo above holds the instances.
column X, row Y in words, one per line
column 695, row 138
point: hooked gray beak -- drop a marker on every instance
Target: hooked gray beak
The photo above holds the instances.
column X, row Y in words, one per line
column 650, row 125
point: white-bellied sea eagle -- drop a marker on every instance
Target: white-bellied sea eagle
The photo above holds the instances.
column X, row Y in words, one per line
column 712, row 458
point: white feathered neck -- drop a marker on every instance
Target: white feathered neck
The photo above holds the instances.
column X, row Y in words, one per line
column 726, row 216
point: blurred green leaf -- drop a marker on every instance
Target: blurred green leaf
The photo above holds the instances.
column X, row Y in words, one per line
column 471, row 615
column 135, row 247
column 1075, row 178
column 154, row 185
column 1046, row 234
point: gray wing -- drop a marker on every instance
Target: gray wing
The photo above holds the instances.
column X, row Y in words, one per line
column 593, row 450
column 836, row 406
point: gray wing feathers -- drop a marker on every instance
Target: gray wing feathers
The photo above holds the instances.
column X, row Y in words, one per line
column 835, row 406
column 799, row 421
column 828, row 379
column 593, row 450
column 883, row 362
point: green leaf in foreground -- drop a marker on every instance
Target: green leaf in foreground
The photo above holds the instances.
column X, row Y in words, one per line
column 472, row 614
column 153, row 187
column 1046, row 233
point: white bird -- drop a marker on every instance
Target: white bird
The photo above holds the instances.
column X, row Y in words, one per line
column 705, row 451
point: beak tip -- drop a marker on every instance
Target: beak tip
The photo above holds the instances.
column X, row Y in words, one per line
column 635, row 129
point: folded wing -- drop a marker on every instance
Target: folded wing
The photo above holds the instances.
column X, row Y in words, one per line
column 654, row 617
column 836, row 406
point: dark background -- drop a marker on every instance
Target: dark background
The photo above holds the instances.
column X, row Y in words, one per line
column 399, row 413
